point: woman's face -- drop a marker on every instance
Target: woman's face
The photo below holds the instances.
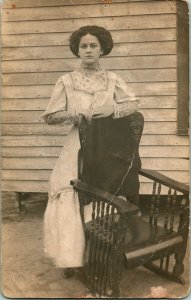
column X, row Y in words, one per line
column 89, row 49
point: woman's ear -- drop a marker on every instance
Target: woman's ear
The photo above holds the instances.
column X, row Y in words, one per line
column 101, row 53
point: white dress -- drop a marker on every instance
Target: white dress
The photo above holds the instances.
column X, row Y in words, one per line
column 64, row 240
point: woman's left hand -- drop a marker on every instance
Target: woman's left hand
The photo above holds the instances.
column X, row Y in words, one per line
column 103, row 111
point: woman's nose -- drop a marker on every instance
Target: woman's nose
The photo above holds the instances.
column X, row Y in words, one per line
column 88, row 49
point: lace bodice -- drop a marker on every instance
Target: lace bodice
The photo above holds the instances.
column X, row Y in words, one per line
column 76, row 92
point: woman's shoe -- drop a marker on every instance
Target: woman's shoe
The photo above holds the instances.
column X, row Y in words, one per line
column 67, row 273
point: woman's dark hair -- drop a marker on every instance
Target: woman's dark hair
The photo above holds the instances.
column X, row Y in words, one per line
column 103, row 35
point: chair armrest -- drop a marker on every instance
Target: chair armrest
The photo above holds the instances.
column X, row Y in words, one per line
column 165, row 180
column 122, row 206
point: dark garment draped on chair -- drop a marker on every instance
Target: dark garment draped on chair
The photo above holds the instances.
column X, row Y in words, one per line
column 110, row 154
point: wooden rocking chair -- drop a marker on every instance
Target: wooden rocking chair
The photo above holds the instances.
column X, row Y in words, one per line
column 117, row 235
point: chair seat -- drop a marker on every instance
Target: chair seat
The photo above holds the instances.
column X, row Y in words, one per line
column 141, row 234
column 143, row 239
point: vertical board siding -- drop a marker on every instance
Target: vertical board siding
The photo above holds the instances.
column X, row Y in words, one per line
column 183, row 68
column 35, row 52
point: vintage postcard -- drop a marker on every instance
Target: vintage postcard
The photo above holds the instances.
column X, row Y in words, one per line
column 95, row 149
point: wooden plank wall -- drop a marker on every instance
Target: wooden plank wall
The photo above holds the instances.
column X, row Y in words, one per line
column 35, row 53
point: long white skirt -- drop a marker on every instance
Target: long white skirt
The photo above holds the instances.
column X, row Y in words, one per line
column 64, row 239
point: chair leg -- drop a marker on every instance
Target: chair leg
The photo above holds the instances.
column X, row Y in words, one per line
column 178, row 269
column 115, row 291
column 181, row 251
column 164, row 273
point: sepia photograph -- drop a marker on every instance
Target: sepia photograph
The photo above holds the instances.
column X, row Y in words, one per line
column 95, row 149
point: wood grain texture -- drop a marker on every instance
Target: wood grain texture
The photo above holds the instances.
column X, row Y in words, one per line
column 68, row 12
column 44, row 175
column 122, row 50
column 158, row 102
column 25, row 186
column 44, row 163
column 142, row 75
column 22, row 117
column 40, row 129
column 44, row 91
column 117, row 63
column 43, row 187
column 31, row 151
column 41, row 3
column 164, row 151
column 62, row 39
column 40, row 163
column 57, row 140
column 33, row 129
column 35, row 140
column 119, row 23
column 17, row 117
column 181, row 176
column 145, row 151
column 183, row 67
column 24, row 104
column 132, row 76
column 25, row 175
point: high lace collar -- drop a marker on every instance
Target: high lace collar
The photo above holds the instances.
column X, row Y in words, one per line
column 91, row 67
column 89, row 79
column 90, row 70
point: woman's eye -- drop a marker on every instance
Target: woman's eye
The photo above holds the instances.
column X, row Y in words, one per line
column 83, row 46
column 93, row 46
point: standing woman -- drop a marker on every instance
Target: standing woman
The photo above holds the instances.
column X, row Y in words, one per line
column 92, row 92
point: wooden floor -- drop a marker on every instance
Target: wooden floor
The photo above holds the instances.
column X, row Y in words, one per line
column 27, row 274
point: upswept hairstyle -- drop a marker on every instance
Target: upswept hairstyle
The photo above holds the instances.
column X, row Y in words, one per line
column 102, row 34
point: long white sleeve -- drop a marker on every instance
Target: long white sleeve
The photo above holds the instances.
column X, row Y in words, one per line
column 126, row 101
column 57, row 111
